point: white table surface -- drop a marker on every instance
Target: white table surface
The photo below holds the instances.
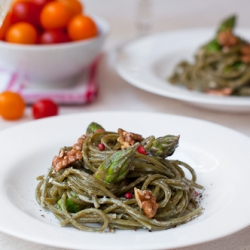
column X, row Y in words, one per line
column 116, row 94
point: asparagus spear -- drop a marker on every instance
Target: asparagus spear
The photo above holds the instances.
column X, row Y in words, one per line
column 94, row 127
column 227, row 24
column 71, row 206
column 116, row 167
column 164, row 146
column 213, row 46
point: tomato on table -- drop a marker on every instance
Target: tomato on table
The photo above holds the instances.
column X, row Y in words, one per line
column 12, row 105
column 55, row 15
column 81, row 27
column 22, row 33
column 44, row 108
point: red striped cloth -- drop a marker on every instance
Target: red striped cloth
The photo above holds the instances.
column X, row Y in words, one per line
column 82, row 90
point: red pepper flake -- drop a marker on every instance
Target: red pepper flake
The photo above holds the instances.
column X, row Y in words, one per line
column 128, row 195
column 140, row 149
column 101, row 147
column 196, row 193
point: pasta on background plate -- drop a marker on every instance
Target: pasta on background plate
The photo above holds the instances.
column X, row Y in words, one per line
column 221, row 66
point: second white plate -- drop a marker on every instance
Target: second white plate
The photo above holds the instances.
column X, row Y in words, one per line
column 147, row 63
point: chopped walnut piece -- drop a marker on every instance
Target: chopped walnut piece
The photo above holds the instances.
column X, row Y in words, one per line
column 227, row 38
column 67, row 157
column 245, row 53
column 128, row 139
column 80, row 141
column 146, row 201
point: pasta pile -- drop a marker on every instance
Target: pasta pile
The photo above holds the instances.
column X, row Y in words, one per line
column 100, row 190
column 221, row 67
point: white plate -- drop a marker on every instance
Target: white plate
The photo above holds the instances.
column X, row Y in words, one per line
column 219, row 155
column 147, row 63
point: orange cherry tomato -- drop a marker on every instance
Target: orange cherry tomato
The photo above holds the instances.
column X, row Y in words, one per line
column 81, row 27
column 74, row 6
column 12, row 105
column 6, row 24
column 16, row 1
column 55, row 15
column 22, row 33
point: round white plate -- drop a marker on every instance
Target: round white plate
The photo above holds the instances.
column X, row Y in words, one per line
column 219, row 155
column 148, row 62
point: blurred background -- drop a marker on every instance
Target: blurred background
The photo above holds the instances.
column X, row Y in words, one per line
column 165, row 15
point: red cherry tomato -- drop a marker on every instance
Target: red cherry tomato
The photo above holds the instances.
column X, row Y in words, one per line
column 41, row 3
column 44, row 108
column 54, row 36
column 25, row 12
column 6, row 24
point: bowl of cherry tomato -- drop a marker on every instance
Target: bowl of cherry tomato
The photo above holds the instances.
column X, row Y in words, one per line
column 50, row 40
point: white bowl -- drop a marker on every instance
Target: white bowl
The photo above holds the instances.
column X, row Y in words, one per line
column 53, row 63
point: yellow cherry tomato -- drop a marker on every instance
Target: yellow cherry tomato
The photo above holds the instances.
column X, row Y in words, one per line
column 55, row 15
column 12, row 105
column 82, row 27
column 75, row 6
column 22, row 33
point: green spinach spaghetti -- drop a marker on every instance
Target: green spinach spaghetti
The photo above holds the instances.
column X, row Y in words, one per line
column 221, row 66
column 119, row 180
